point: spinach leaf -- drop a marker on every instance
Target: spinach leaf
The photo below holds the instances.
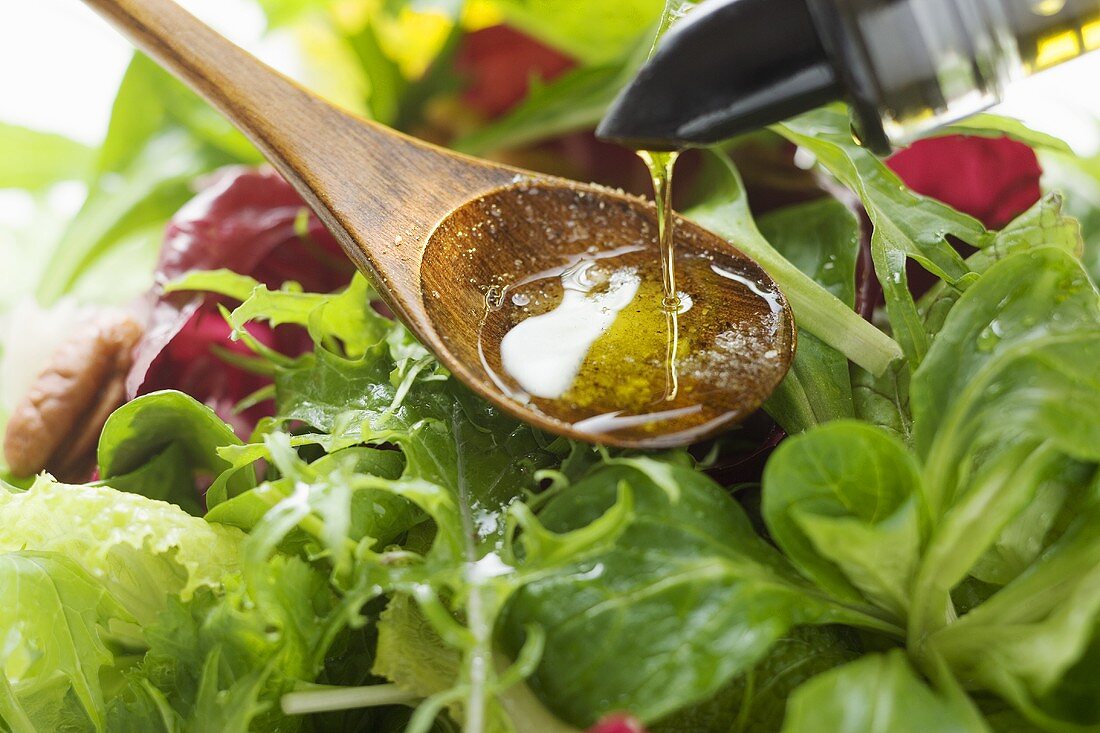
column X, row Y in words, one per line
column 140, row 431
column 756, row 701
column 712, row 597
column 879, row 693
column 845, row 503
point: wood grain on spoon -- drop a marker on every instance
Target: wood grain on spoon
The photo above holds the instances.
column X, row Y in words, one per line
column 388, row 198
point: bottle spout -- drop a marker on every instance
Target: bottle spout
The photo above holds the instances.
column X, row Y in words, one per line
column 729, row 67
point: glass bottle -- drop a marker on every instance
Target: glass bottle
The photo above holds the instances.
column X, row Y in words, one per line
column 913, row 65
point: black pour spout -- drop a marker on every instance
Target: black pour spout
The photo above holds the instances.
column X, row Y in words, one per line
column 731, row 66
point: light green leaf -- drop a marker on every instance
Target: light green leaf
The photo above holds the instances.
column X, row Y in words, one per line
column 34, row 160
column 992, row 125
column 141, row 550
column 879, row 693
column 54, row 622
column 594, row 33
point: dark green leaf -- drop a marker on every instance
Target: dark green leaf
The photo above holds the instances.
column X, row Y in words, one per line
column 906, row 225
column 139, row 431
column 689, row 570
column 844, row 502
column 720, row 204
column 757, row 700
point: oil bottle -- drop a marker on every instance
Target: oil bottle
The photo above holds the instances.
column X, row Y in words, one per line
column 904, row 66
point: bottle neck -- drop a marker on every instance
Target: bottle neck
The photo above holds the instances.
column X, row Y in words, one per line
column 913, row 65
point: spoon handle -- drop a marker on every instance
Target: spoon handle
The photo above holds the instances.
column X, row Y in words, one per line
column 379, row 191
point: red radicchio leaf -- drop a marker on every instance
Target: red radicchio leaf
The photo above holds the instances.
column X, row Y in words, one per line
column 499, row 64
column 252, row 222
column 992, row 179
column 617, row 723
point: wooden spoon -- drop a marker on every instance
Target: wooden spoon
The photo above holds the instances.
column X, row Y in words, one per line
column 435, row 231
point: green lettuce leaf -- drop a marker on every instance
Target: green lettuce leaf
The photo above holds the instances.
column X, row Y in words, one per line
column 142, row 551
column 55, row 624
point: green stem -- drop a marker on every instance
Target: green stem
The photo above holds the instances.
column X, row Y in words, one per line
column 324, row 698
column 821, row 313
column 723, row 208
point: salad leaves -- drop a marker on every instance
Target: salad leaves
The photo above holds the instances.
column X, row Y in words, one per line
column 335, row 535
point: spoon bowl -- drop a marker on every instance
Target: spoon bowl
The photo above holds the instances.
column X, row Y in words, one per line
column 735, row 348
column 441, row 235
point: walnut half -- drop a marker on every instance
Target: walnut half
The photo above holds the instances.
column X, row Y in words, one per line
column 56, row 426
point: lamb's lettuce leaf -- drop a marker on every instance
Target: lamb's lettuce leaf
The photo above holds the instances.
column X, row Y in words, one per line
column 711, row 595
column 845, row 503
column 906, row 225
column 879, row 693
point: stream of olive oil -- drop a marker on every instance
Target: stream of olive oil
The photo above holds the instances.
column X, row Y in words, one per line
column 660, row 165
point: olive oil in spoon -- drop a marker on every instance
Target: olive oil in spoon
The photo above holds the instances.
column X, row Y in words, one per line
column 631, row 341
